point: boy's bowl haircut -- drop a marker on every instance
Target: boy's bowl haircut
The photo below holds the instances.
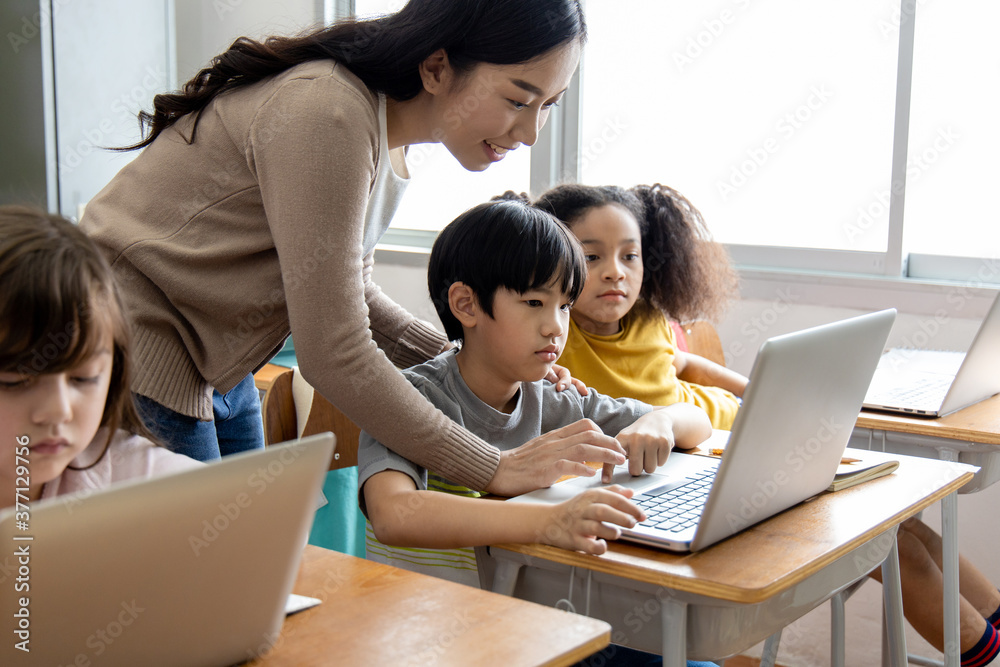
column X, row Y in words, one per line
column 505, row 244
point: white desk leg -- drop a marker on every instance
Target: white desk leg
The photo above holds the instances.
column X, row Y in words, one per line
column 949, row 567
column 505, row 577
column 770, row 654
column 674, row 617
column 837, row 631
column 892, row 597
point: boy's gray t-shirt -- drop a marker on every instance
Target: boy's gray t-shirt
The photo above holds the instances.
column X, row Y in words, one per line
column 540, row 409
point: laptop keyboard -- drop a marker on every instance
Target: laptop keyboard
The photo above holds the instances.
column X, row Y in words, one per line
column 678, row 505
column 927, row 393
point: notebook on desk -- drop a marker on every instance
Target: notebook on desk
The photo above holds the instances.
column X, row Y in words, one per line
column 798, row 412
column 191, row 568
column 935, row 383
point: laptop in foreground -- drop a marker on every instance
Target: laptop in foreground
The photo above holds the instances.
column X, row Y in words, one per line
column 798, row 412
column 189, row 569
column 935, row 383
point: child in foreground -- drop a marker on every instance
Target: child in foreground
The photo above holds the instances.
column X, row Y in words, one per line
column 650, row 258
column 503, row 277
column 66, row 411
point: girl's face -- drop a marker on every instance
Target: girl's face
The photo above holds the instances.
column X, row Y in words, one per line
column 55, row 415
column 494, row 109
column 611, row 242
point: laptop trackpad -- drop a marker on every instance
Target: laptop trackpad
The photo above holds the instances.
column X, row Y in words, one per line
column 621, row 476
column 573, row 487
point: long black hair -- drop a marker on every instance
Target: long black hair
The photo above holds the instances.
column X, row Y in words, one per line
column 386, row 52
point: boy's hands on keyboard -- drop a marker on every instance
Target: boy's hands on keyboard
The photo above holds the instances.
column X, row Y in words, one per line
column 587, row 521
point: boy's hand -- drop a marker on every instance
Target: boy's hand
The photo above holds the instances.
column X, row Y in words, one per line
column 647, row 442
column 651, row 438
column 561, row 378
column 585, row 522
column 540, row 462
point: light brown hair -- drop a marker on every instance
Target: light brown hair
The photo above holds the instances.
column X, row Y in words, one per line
column 57, row 302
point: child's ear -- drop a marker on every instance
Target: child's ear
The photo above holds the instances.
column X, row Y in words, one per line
column 436, row 72
column 463, row 304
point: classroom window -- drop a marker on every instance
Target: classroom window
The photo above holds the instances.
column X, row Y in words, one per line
column 787, row 123
column 774, row 119
column 953, row 130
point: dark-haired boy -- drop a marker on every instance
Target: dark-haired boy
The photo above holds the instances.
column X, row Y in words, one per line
column 503, row 276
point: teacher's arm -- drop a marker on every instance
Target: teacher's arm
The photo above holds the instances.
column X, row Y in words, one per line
column 313, row 147
column 405, row 339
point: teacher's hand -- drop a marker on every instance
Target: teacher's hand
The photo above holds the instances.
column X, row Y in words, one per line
column 540, row 462
column 561, row 378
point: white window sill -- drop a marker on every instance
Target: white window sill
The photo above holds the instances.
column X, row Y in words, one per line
column 860, row 292
column 866, row 292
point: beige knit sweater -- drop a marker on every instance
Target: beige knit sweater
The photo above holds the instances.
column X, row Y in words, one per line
column 264, row 226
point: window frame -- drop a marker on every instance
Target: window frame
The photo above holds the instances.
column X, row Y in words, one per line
column 555, row 158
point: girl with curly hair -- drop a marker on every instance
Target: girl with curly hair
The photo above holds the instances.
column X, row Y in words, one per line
column 650, row 259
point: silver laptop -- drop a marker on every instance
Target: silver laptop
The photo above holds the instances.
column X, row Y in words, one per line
column 192, row 568
column 798, row 412
column 935, row 383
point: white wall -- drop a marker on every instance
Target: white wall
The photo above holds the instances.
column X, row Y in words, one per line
column 205, row 29
column 74, row 75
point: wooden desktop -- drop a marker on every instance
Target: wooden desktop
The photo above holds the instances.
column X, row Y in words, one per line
column 977, row 423
column 373, row 614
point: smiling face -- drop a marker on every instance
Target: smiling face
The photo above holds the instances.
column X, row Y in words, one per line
column 611, row 242
column 56, row 415
column 493, row 109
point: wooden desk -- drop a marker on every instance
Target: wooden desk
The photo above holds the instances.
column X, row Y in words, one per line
column 730, row 596
column 977, row 423
column 373, row 614
column 970, row 436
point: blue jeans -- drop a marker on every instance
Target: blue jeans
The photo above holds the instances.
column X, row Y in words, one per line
column 237, row 426
column 616, row 655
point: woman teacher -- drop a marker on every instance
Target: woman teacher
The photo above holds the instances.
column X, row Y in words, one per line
column 262, row 188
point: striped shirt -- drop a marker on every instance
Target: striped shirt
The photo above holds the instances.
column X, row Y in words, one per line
column 540, row 409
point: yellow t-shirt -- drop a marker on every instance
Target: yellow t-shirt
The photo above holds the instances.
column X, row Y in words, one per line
column 638, row 362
